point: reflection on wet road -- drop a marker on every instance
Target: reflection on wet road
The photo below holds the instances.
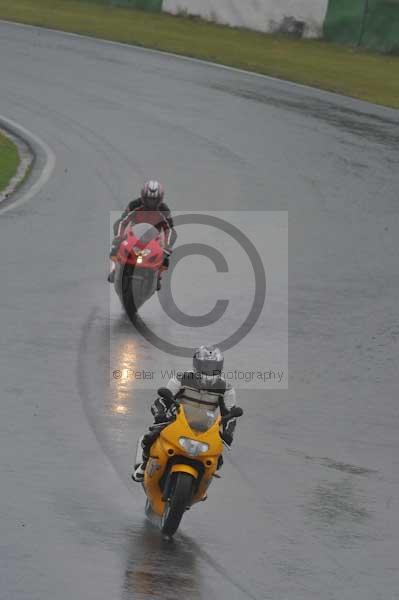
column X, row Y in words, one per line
column 157, row 568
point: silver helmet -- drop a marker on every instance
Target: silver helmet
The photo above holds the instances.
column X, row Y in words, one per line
column 152, row 194
column 208, row 362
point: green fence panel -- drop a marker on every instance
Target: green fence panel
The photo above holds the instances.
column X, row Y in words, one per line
column 149, row 5
column 343, row 21
column 370, row 23
column 381, row 27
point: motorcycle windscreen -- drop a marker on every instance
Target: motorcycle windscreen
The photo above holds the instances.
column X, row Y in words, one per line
column 200, row 417
column 144, row 232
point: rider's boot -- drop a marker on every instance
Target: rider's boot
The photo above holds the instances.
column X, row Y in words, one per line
column 139, row 467
column 164, row 267
column 138, row 473
column 112, row 255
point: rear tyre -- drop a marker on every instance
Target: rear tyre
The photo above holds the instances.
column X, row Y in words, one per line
column 178, row 503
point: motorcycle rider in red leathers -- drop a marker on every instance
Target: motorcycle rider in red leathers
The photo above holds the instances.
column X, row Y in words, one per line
column 149, row 208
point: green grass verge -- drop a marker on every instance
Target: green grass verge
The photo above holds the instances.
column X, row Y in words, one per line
column 9, row 161
column 320, row 64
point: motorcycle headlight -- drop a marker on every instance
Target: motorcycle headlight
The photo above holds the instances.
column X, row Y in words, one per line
column 193, row 447
column 141, row 252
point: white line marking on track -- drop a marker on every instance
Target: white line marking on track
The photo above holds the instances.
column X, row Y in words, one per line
column 46, row 171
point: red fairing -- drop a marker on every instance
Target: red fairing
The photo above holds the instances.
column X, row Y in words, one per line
column 142, row 251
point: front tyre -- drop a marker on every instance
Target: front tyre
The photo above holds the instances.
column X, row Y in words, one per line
column 176, row 506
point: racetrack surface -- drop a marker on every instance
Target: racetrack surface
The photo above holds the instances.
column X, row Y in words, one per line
column 307, row 506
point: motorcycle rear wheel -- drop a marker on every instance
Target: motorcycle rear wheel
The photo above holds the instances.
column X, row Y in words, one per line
column 178, row 503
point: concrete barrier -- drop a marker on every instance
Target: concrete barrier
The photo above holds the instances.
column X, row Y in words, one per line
column 303, row 17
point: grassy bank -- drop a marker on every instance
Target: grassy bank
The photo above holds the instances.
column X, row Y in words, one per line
column 9, row 161
column 340, row 69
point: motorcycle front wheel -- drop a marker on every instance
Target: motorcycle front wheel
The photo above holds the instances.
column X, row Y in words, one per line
column 176, row 506
column 136, row 289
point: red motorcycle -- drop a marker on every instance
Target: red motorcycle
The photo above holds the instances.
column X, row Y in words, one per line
column 138, row 263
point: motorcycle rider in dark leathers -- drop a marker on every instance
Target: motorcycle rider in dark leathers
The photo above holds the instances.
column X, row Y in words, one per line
column 149, row 208
column 204, row 383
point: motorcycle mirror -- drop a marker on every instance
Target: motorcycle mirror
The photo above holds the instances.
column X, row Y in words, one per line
column 165, row 393
column 236, row 412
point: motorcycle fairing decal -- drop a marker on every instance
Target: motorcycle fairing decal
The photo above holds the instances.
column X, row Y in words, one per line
column 153, row 467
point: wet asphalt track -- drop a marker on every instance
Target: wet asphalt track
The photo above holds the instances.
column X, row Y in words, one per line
column 308, row 505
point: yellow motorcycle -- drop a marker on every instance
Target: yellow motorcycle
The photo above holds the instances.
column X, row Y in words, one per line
column 183, row 460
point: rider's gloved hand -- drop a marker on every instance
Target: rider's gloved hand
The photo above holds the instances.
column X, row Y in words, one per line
column 160, row 418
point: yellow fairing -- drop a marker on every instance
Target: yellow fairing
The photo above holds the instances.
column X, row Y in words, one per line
column 167, row 447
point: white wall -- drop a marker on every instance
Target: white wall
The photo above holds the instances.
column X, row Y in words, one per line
column 263, row 15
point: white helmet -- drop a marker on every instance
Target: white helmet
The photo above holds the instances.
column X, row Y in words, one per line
column 208, row 361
